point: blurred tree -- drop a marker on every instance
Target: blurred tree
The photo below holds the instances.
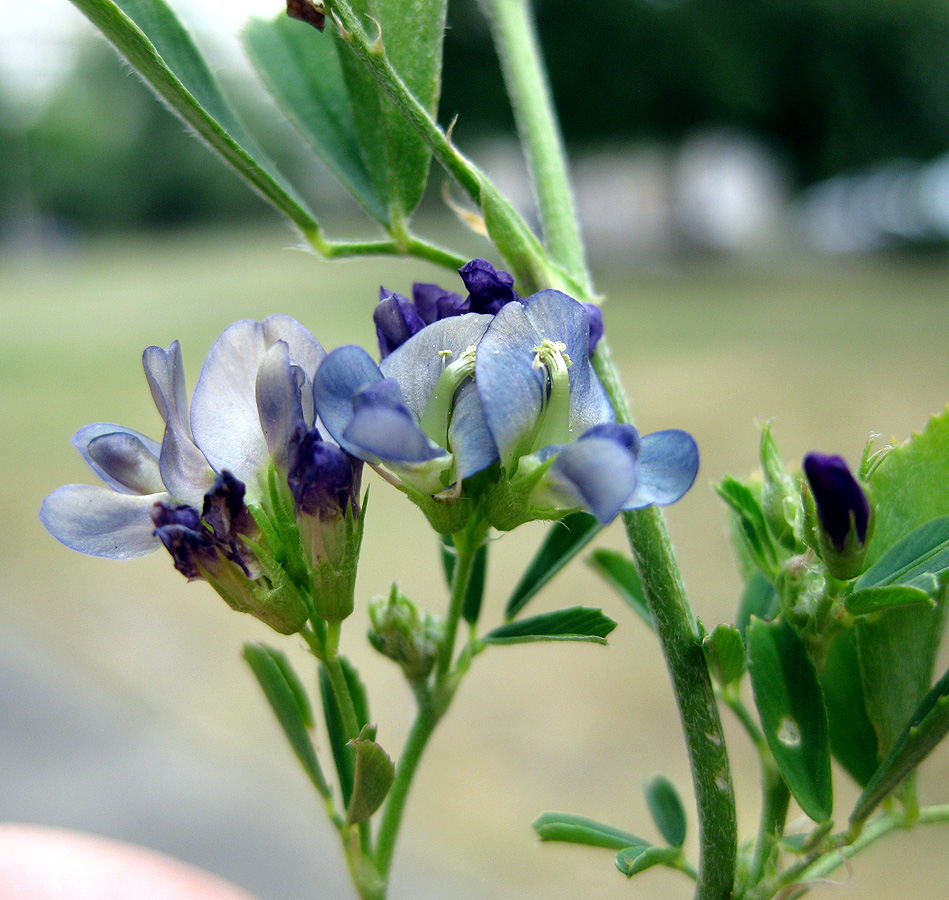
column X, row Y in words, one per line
column 838, row 84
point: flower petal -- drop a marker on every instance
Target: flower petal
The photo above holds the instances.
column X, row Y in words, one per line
column 184, row 468
column 279, row 405
column 512, row 391
column 561, row 318
column 389, row 432
column 419, row 362
column 668, row 463
column 138, row 454
column 341, row 376
column 99, row 521
column 224, row 416
column 598, row 473
column 468, row 435
column 305, row 351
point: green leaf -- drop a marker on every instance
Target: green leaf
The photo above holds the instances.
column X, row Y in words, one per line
column 852, row 738
column 751, row 523
column 156, row 45
column 725, row 653
column 924, row 551
column 373, row 776
column 571, row 829
column 336, row 732
column 357, row 691
column 619, row 571
column 876, row 600
column 301, row 69
column 666, row 809
column 792, row 713
column 633, row 860
column 474, row 592
column 578, row 623
column 563, row 542
column 928, row 726
column 909, row 491
column 288, row 700
column 759, row 598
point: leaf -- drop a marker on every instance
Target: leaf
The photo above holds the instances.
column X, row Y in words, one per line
column 909, row 491
column 927, row 727
column 759, row 598
column 924, row 551
column 474, row 592
column 373, row 776
column 156, row 45
column 751, row 523
column 301, row 69
column 570, row 829
column 578, row 623
column 288, row 700
column 357, row 691
column 412, row 32
column 336, row 732
column 792, row 713
column 666, row 809
column 563, row 542
column 852, row 738
column 632, row 860
column 725, row 653
column 879, row 599
column 620, row 572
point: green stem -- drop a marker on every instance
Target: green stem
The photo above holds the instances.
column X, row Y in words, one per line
column 432, row 704
column 679, row 636
column 525, row 78
column 408, row 246
column 338, row 679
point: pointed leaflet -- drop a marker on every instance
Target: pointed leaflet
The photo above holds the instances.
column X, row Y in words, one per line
column 289, row 702
column 909, row 491
column 571, row 829
column 564, row 540
column 927, row 727
column 791, row 709
column 343, row 755
column 666, row 809
column 411, row 35
column 156, row 45
column 632, row 860
column 301, row 69
column 620, row 572
column 579, row 623
column 852, row 738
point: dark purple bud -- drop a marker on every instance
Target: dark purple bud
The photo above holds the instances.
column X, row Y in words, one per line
column 596, row 324
column 488, row 288
column 841, row 503
column 180, row 531
column 322, row 478
column 435, row 303
column 224, row 511
column 396, row 320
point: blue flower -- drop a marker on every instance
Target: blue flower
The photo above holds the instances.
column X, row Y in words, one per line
column 217, row 490
column 417, row 416
column 554, row 427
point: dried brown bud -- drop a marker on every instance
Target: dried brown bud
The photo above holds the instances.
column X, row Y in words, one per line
column 313, row 12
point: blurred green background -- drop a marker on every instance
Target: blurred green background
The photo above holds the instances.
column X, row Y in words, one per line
column 125, row 706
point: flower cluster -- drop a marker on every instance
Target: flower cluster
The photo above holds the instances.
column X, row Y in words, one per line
column 481, row 406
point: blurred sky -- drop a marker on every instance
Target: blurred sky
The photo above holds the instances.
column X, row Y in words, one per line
column 37, row 39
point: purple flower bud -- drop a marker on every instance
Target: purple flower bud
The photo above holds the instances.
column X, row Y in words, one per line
column 435, row 303
column 322, row 478
column 180, row 531
column 224, row 511
column 488, row 288
column 841, row 503
column 396, row 320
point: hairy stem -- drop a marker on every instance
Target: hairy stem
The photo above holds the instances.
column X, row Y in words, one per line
column 679, row 636
column 525, row 78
